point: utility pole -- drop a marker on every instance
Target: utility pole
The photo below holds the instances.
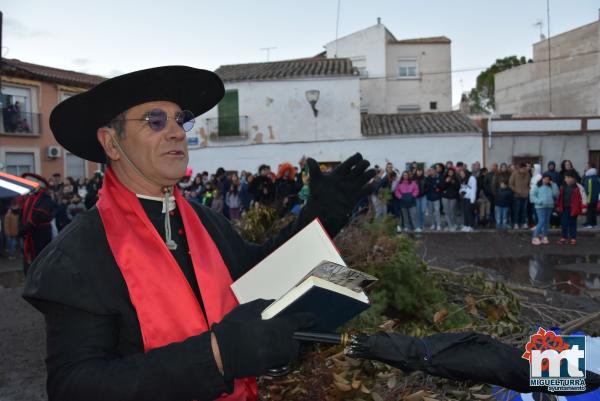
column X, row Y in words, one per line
column 268, row 50
column 549, row 60
column 337, row 27
column 1, row 15
column 1, row 62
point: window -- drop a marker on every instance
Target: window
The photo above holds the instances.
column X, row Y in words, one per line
column 594, row 157
column 361, row 65
column 531, row 159
column 17, row 107
column 432, row 105
column 409, row 108
column 229, row 115
column 75, row 167
column 407, row 68
column 18, row 163
column 65, row 95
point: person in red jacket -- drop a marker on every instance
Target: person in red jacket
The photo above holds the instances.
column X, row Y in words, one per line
column 570, row 205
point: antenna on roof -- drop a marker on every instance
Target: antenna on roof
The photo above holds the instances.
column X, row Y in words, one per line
column 540, row 24
column 268, row 50
column 337, row 27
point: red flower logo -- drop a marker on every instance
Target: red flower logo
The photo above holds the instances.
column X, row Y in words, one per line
column 544, row 340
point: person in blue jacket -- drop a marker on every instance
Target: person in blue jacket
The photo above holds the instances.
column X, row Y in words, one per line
column 543, row 196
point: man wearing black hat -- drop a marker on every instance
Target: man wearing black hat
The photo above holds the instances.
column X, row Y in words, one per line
column 136, row 291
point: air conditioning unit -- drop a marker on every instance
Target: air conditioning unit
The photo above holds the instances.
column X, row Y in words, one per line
column 53, row 152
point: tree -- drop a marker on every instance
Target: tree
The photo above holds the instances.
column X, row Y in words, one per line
column 481, row 98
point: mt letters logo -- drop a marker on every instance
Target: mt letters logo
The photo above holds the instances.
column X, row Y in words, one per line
column 556, row 362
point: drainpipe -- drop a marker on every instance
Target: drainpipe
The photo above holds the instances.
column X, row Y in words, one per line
column 489, row 127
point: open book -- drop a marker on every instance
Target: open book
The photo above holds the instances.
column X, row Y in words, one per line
column 307, row 274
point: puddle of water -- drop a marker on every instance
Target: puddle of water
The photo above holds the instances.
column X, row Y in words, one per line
column 569, row 274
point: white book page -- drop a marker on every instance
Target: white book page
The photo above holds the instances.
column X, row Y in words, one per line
column 287, row 265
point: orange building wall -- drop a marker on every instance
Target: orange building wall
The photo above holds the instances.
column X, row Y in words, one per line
column 48, row 97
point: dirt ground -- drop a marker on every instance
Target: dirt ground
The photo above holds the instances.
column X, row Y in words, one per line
column 22, row 337
column 22, row 346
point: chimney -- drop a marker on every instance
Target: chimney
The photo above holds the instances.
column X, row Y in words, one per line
column 379, row 19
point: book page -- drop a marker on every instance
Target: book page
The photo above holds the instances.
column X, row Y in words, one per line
column 287, row 265
column 344, row 276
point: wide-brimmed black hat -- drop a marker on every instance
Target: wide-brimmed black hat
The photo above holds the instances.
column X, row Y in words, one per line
column 76, row 120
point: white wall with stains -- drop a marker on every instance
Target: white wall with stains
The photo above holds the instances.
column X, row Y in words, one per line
column 428, row 148
column 277, row 111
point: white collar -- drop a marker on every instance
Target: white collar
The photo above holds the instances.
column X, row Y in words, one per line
column 172, row 203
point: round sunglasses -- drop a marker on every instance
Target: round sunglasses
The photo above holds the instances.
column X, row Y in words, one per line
column 157, row 119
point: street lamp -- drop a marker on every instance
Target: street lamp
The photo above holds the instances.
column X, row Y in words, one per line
column 313, row 97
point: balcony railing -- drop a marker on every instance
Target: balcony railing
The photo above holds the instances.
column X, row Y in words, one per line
column 19, row 122
column 233, row 127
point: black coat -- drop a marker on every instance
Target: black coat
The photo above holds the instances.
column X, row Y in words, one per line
column 94, row 343
column 450, row 189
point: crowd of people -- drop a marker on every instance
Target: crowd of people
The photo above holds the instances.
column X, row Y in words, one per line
column 453, row 197
column 446, row 196
column 61, row 201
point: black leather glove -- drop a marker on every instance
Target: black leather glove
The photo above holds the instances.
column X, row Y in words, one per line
column 249, row 346
column 335, row 195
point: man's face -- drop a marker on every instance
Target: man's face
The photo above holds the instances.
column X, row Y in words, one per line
column 551, row 167
column 161, row 156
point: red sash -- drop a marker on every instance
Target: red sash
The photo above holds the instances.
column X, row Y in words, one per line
column 166, row 307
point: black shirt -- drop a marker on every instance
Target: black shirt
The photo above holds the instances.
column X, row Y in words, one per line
column 567, row 196
column 94, row 344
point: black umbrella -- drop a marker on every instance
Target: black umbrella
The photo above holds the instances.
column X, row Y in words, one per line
column 457, row 356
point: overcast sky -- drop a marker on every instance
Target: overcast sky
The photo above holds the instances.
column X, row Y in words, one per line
column 112, row 37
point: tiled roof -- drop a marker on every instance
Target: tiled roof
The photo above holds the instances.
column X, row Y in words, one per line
column 417, row 123
column 423, row 41
column 299, row 68
column 14, row 67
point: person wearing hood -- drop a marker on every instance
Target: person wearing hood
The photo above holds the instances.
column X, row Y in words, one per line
column 543, row 197
column 536, row 176
column 591, row 185
column 553, row 173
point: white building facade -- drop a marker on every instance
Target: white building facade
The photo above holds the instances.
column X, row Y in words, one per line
column 388, row 99
column 268, row 118
column 398, row 76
